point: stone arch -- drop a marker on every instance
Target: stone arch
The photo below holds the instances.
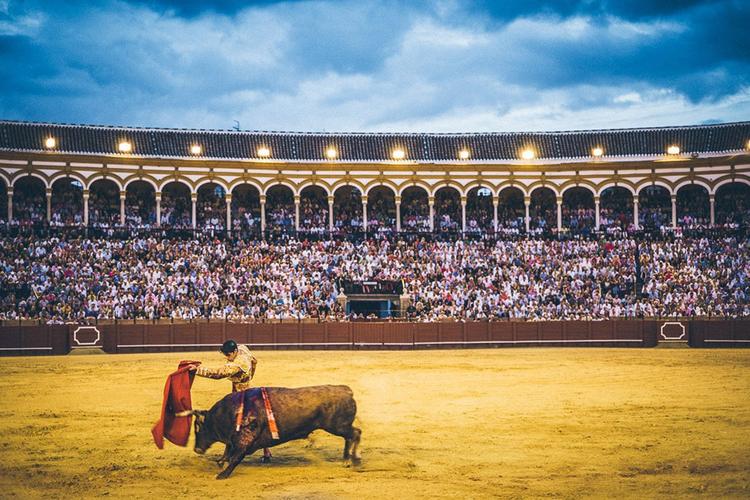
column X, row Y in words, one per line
column 103, row 177
column 511, row 209
column 4, row 183
column 567, row 186
column 240, row 181
column 479, row 208
column 280, row 182
column 578, row 208
column 62, row 175
column 733, row 204
column 313, row 209
column 245, row 207
column 693, row 204
column 24, row 175
column 66, row 204
column 320, row 184
column 211, row 205
column 616, row 206
column 517, row 185
column 654, row 205
column 619, row 184
column 280, row 207
column 447, row 208
column 140, row 202
column 29, row 198
column 141, row 177
column 446, row 183
column 347, row 208
column 348, row 182
column 381, row 208
column 542, row 208
column 415, row 209
column 176, row 202
column 728, row 179
column 211, row 180
column 687, row 182
column 534, row 186
column 414, row 183
column 479, row 183
column 657, row 182
column 104, row 201
column 177, row 179
column 384, row 183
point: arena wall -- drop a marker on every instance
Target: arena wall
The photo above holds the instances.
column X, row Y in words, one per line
column 201, row 336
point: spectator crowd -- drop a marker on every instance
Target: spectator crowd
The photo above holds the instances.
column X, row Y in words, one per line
column 69, row 279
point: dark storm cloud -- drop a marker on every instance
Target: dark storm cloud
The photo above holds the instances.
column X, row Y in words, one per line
column 379, row 64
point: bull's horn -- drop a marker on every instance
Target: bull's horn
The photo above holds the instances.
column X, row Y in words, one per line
column 184, row 413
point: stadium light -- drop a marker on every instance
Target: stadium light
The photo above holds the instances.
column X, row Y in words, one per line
column 597, row 151
column 464, row 154
column 398, row 154
column 50, row 143
column 125, row 147
column 673, row 150
column 528, row 154
column 264, row 152
column 331, row 153
column 196, row 149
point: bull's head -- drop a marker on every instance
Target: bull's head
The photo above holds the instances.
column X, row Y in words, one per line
column 203, row 436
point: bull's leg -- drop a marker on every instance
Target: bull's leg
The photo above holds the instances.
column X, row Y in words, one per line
column 351, row 437
column 356, row 436
column 234, row 460
column 225, row 456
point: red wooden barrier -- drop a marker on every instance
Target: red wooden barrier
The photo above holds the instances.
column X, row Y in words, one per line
column 129, row 337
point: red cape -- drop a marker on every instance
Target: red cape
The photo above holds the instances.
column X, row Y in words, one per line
column 176, row 399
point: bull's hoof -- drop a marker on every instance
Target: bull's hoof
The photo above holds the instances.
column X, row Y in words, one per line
column 265, row 460
column 356, row 461
column 223, row 474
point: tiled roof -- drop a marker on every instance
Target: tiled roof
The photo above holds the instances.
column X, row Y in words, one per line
column 295, row 146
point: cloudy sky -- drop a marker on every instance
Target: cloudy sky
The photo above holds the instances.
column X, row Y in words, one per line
column 376, row 65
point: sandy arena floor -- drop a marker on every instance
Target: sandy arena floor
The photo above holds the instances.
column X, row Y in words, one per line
column 469, row 423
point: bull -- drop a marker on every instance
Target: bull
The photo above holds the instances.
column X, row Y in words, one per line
column 297, row 413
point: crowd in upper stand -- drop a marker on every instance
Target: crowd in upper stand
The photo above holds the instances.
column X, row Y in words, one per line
column 62, row 280
column 578, row 214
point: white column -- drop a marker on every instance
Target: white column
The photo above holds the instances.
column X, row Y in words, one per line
column 636, row 223
column 559, row 214
column 674, row 211
column 495, row 203
column 463, row 214
column 712, row 204
column 194, row 201
column 596, row 212
column 431, row 202
column 158, row 209
column 85, row 207
column 398, row 214
column 123, row 194
column 263, row 213
column 228, row 198
column 296, row 212
column 364, row 213
column 10, row 204
column 330, row 213
column 527, row 218
column 49, row 204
